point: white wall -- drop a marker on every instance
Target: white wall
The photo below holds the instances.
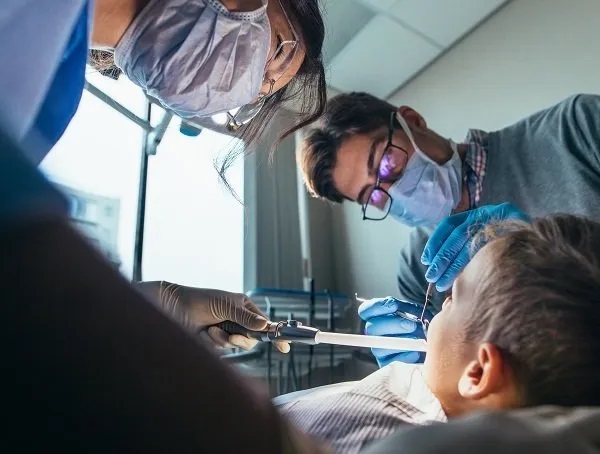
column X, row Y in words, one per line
column 272, row 243
column 529, row 55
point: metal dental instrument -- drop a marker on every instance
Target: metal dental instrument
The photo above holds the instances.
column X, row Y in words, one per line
column 428, row 294
column 294, row 331
column 408, row 316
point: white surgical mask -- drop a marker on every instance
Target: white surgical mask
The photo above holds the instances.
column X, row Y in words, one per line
column 195, row 56
column 427, row 192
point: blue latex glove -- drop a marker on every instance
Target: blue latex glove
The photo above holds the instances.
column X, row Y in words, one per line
column 448, row 250
column 381, row 318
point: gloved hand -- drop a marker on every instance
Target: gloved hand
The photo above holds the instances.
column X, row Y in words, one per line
column 203, row 308
column 448, row 250
column 381, row 318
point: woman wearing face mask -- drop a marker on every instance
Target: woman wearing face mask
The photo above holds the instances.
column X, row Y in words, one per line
column 195, row 57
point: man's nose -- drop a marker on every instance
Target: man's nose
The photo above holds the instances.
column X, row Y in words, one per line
column 385, row 185
column 371, row 179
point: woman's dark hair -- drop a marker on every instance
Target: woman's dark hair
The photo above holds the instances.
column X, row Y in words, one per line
column 103, row 61
column 539, row 303
column 308, row 85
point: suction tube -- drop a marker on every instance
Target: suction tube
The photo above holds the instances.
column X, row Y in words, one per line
column 294, row 331
column 358, row 340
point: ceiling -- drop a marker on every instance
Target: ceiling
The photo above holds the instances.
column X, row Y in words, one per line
column 379, row 45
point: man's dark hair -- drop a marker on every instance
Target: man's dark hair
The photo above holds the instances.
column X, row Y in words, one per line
column 540, row 304
column 345, row 115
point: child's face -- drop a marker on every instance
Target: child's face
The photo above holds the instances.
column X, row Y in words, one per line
column 452, row 362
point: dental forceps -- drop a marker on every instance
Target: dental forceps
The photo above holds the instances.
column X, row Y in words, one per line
column 424, row 322
column 420, row 320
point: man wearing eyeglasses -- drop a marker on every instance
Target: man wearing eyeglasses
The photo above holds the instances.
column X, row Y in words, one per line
column 387, row 160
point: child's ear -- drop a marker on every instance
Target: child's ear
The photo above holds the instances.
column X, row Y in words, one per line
column 483, row 376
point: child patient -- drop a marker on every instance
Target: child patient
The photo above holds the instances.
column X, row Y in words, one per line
column 521, row 329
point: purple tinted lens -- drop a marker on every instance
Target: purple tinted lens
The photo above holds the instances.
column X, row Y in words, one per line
column 377, row 197
column 386, row 167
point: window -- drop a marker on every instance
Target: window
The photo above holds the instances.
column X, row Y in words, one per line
column 194, row 228
column 97, row 163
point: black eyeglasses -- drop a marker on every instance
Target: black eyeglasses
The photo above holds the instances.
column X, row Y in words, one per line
column 389, row 169
column 276, row 66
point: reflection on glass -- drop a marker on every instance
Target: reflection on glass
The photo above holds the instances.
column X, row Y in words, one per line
column 97, row 163
column 97, row 217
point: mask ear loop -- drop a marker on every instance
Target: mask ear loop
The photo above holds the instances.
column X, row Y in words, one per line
column 409, row 134
column 406, row 130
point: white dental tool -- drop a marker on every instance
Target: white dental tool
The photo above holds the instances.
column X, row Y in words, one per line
column 358, row 340
column 294, row 331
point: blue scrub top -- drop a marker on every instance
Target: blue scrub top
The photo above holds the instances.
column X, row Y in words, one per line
column 64, row 94
column 36, row 107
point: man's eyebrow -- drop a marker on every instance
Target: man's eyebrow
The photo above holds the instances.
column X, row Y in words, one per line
column 370, row 161
column 372, row 152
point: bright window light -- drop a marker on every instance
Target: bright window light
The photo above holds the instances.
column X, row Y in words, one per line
column 194, row 232
column 220, row 118
column 97, row 162
column 194, row 227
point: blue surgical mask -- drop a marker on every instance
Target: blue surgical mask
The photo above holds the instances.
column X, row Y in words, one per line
column 196, row 57
column 427, row 192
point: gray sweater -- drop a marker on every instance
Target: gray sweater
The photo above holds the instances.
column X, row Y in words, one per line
column 544, row 164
